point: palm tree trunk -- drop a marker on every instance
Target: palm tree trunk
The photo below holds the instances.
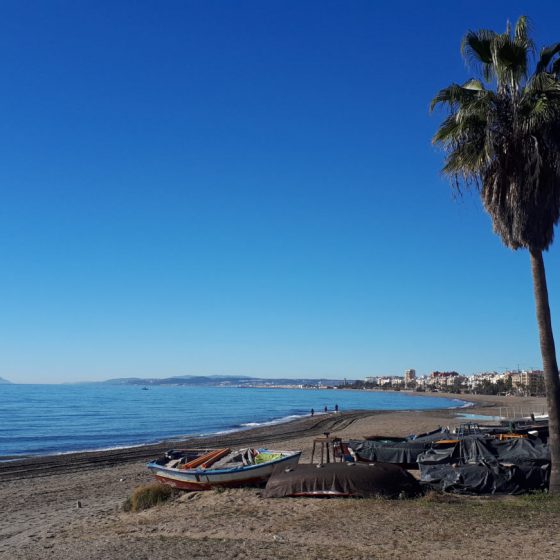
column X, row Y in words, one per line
column 550, row 366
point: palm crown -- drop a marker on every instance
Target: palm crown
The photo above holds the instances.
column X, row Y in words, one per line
column 505, row 138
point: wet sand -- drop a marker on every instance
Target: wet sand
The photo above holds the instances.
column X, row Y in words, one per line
column 40, row 517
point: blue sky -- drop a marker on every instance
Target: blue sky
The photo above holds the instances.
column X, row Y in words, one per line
column 247, row 188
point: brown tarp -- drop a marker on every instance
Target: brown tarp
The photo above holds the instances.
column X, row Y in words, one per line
column 357, row 480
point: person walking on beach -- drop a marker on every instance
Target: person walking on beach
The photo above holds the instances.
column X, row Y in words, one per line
column 326, row 409
column 336, row 408
column 312, row 412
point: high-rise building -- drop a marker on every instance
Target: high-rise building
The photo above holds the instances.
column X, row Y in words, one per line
column 409, row 376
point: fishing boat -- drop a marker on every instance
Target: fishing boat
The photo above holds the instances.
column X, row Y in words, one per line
column 204, row 469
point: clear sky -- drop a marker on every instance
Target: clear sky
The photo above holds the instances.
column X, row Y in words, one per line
column 250, row 188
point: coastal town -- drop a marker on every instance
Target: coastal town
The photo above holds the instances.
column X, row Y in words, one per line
column 519, row 382
column 512, row 382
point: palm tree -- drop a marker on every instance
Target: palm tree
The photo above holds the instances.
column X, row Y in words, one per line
column 503, row 139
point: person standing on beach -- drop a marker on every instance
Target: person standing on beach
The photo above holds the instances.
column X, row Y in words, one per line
column 326, row 409
column 336, row 408
column 312, row 412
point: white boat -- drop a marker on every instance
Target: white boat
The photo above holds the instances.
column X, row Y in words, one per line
column 204, row 469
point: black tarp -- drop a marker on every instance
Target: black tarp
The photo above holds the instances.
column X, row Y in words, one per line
column 394, row 439
column 485, row 479
column 342, row 479
column 523, row 451
column 479, row 465
column 400, row 452
column 487, row 450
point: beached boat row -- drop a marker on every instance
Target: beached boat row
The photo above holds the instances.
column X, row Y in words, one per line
column 470, row 459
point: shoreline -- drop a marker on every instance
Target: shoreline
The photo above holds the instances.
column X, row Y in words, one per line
column 225, row 434
column 47, row 464
column 456, row 401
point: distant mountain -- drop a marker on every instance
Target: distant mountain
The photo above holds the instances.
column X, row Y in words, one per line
column 223, row 381
column 4, row 381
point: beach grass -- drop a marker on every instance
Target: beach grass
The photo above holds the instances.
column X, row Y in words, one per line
column 147, row 496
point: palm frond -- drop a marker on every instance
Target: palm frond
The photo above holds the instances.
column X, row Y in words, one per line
column 458, row 127
column 546, row 56
column 454, row 95
column 476, row 50
column 509, row 60
column 465, row 160
column 521, row 34
column 542, row 82
column 539, row 105
column 540, row 113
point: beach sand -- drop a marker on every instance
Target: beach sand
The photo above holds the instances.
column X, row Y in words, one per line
column 40, row 517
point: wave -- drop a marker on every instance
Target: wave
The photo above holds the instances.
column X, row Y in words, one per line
column 464, row 404
column 274, row 422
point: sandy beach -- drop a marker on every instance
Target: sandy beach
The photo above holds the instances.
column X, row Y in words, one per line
column 70, row 506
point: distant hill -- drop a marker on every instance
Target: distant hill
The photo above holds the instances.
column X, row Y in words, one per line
column 223, row 381
column 4, row 381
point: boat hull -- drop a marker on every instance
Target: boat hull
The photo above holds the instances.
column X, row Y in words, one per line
column 206, row 479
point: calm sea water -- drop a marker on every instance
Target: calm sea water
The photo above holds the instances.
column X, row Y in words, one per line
column 47, row 419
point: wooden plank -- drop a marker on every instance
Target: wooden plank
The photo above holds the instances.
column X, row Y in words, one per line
column 203, row 459
column 216, row 457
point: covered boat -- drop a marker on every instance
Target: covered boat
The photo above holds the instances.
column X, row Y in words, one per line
column 406, row 451
column 206, row 469
column 486, row 465
column 399, row 451
column 352, row 480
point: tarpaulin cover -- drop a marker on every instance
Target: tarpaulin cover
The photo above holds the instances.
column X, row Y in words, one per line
column 480, row 465
column 394, row 439
column 342, row 479
column 485, row 479
column 472, row 449
column 523, row 451
column 400, row 453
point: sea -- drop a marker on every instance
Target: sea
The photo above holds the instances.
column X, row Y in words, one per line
column 53, row 419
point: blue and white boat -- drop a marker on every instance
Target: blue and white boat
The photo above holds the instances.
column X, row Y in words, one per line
column 204, row 469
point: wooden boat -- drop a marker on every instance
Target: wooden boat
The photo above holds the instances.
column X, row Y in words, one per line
column 204, row 469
